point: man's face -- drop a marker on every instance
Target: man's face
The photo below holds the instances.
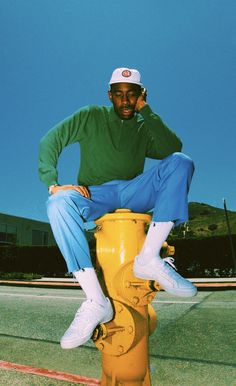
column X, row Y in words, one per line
column 124, row 97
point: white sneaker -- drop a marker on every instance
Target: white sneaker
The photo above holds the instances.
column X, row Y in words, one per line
column 161, row 271
column 88, row 316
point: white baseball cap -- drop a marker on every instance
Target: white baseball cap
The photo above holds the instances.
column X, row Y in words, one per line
column 126, row 75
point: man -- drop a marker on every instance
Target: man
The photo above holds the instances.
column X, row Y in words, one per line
column 114, row 142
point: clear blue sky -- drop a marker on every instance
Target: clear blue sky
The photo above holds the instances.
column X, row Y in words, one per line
column 58, row 55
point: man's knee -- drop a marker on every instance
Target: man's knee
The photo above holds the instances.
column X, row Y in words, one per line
column 58, row 201
column 182, row 161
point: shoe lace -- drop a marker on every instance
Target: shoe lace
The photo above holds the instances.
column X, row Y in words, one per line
column 85, row 311
column 170, row 261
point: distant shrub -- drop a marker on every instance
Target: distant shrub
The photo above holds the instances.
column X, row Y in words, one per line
column 205, row 212
column 196, row 257
column 41, row 260
column 45, row 261
column 219, row 272
column 212, row 227
column 19, row 276
column 203, row 257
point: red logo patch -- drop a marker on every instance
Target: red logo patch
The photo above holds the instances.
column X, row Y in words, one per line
column 126, row 73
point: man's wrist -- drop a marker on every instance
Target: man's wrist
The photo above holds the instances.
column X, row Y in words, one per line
column 142, row 105
column 145, row 111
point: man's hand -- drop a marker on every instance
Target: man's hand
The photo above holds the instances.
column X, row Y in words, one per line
column 141, row 101
column 80, row 189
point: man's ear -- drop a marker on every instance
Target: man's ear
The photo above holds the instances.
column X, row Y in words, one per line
column 110, row 95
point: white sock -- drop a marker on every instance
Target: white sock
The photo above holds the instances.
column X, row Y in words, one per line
column 156, row 236
column 89, row 283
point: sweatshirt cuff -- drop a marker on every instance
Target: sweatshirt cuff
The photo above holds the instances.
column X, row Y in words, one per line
column 146, row 111
column 52, row 183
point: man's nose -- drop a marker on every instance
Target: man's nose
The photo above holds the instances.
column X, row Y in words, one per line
column 125, row 99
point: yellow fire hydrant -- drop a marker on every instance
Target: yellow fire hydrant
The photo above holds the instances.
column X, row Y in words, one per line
column 124, row 340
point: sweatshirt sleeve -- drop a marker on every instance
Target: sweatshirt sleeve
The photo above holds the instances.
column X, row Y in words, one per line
column 162, row 141
column 68, row 131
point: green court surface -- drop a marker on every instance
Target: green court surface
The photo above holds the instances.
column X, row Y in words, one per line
column 194, row 343
column 15, row 378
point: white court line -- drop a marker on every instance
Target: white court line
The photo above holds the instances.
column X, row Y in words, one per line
column 175, row 302
column 40, row 296
column 79, row 298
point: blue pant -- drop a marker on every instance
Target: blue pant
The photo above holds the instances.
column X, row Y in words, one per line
column 163, row 188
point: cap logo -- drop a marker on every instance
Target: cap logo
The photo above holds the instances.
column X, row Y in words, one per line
column 126, row 73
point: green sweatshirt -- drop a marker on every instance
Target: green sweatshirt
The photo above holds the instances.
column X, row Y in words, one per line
column 110, row 148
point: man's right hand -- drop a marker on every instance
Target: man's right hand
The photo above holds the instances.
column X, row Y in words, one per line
column 141, row 101
column 78, row 188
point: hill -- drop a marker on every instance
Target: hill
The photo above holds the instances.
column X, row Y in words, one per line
column 205, row 221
